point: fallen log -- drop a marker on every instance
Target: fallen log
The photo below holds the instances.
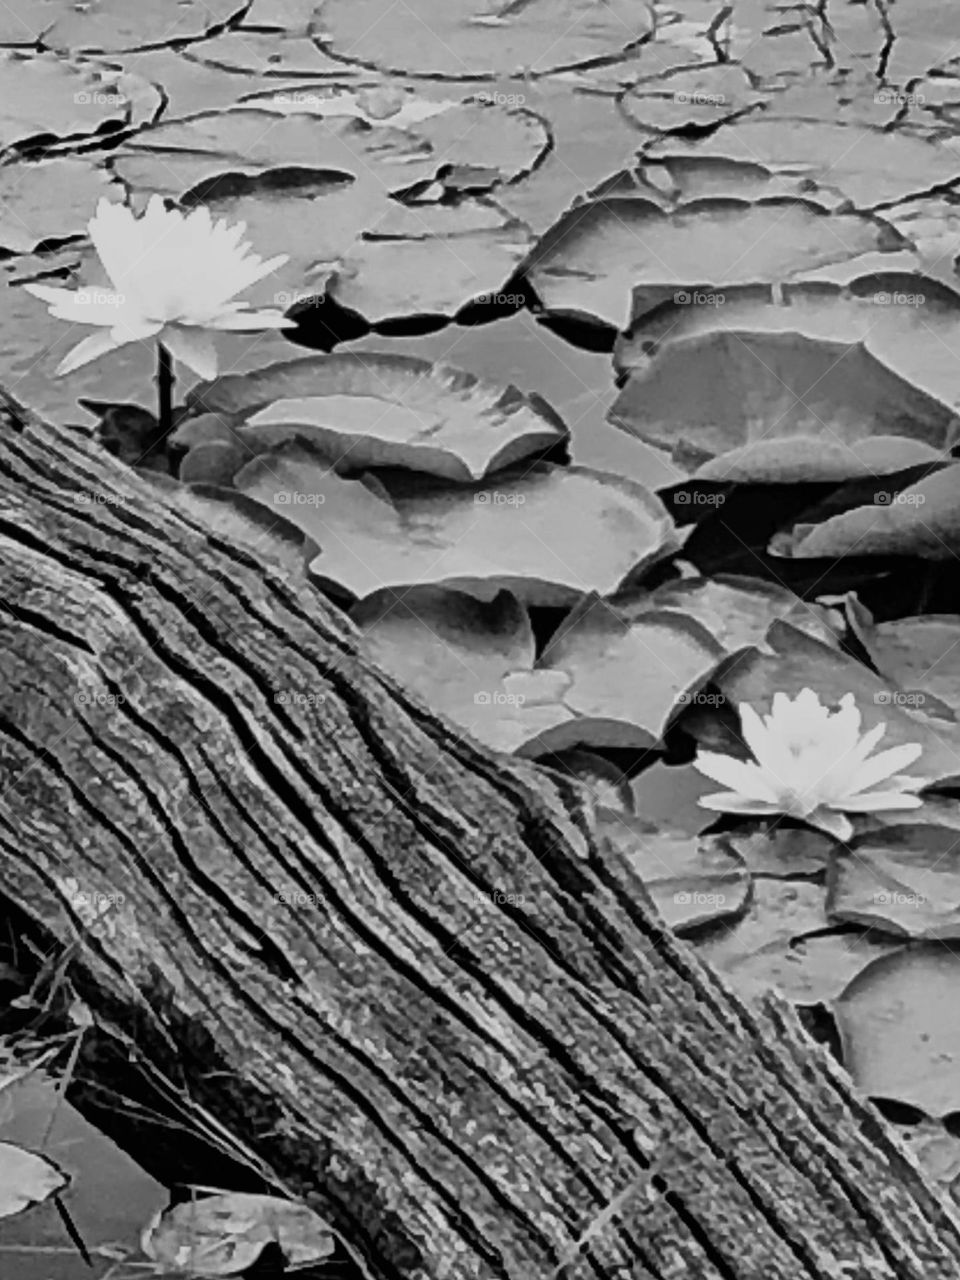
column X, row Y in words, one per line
column 353, row 955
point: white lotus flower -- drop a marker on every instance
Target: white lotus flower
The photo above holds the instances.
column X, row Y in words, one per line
column 813, row 764
column 174, row 277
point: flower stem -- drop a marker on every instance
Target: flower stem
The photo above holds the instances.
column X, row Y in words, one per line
column 164, row 382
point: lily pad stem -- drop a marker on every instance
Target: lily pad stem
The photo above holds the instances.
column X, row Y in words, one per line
column 164, row 382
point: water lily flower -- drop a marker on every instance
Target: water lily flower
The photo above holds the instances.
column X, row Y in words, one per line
column 174, row 277
column 813, row 764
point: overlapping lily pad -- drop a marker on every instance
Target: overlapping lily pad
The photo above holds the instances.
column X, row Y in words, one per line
column 799, row 661
column 920, row 656
column 736, row 611
column 903, row 881
column 386, row 411
column 691, row 98
column 512, row 532
column 871, row 167
column 112, row 25
column 587, row 263
column 921, row 520
column 48, row 100
column 466, row 40
column 48, row 202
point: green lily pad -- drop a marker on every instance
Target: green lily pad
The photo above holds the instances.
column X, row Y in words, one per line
column 903, row 881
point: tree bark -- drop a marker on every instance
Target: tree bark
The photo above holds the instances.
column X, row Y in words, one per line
column 368, row 961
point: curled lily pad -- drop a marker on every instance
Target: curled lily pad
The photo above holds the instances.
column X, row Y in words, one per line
column 588, row 261
column 919, row 656
column 26, row 1178
column 869, row 166
column 921, row 520
column 223, row 1235
column 379, row 410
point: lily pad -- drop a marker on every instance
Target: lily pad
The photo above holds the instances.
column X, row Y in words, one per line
column 691, row 98
column 467, row 40
column 429, row 273
column 113, row 25
column 754, row 954
column 223, row 1235
column 899, row 1023
column 48, row 100
column 804, row 405
column 902, row 881
column 388, row 411
column 871, row 167
column 510, row 533
column 692, row 883
column 48, row 202
column 891, row 316
column 919, row 656
column 922, row 520
column 586, row 264
column 256, row 53
column 631, row 673
column 464, row 658
column 772, row 849
column 26, row 1178
column 736, row 611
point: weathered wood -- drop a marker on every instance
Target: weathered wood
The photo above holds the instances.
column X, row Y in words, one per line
column 469, row 1035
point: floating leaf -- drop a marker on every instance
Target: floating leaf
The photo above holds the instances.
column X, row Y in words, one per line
column 727, row 391
column 736, row 611
column 919, row 656
column 630, row 672
column 772, row 849
column 48, row 100
column 222, row 1235
column 587, row 262
column 513, row 533
column 921, row 520
column 690, row 98
column 464, row 39
column 378, row 410
column 47, row 202
column 754, row 954
column 691, row 882
column 26, row 1178
column 902, row 881
column 112, row 25
column 869, row 166
column 899, row 1024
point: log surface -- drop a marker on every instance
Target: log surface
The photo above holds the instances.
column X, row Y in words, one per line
column 378, row 965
